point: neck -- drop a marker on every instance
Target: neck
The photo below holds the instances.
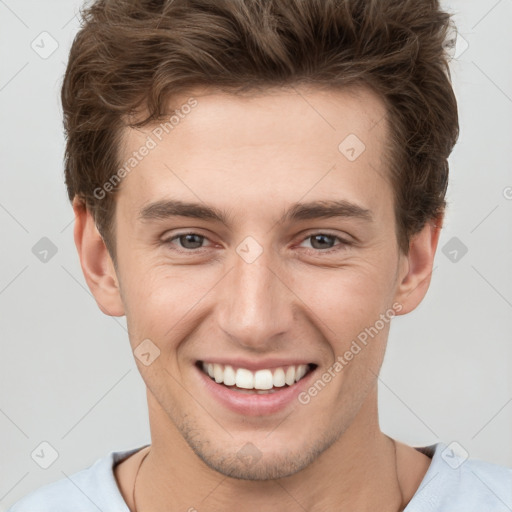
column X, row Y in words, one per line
column 359, row 471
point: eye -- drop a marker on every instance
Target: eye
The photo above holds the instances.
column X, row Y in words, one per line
column 324, row 242
column 319, row 242
column 187, row 241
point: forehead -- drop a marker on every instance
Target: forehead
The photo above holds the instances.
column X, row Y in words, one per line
column 268, row 149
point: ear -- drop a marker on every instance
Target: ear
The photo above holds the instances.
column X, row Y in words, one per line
column 417, row 267
column 97, row 265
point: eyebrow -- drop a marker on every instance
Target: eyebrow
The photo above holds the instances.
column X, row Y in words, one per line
column 165, row 209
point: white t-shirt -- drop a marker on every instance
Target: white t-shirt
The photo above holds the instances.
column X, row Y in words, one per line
column 451, row 484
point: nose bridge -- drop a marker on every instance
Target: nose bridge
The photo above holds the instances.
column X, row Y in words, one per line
column 255, row 307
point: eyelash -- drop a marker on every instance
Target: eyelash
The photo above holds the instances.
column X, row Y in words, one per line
column 340, row 246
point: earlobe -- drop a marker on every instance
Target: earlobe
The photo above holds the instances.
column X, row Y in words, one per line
column 97, row 265
column 415, row 280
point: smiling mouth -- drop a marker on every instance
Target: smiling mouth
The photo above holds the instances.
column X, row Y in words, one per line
column 262, row 381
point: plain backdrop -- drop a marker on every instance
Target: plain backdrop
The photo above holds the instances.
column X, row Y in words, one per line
column 67, row 374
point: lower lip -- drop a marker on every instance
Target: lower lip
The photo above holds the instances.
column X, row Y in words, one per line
column 255, row 404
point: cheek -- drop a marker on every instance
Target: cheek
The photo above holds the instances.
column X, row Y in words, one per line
column 161, row 301
column 344, row 301
column 165, row 303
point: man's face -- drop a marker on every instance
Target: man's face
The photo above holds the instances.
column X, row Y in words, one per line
column 260, row 289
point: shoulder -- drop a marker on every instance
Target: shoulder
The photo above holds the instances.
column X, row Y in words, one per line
column 456, row 483
column 485, row 484
column 88, row 490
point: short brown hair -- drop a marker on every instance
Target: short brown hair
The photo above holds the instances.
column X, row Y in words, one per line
column 136, row 54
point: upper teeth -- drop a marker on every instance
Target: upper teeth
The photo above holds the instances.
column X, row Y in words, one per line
column 261, row 379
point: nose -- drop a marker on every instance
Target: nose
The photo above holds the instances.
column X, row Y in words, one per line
column 256, row 307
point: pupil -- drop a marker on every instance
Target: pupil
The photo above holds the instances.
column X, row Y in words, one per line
column 324, row 237
column 185, row 239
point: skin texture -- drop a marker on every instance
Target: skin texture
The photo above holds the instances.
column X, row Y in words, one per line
column 253, row 157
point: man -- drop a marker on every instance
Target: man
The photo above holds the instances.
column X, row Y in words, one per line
column 259, row 187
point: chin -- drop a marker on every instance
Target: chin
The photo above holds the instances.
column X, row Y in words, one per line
column 267, row 467
column 252, row 462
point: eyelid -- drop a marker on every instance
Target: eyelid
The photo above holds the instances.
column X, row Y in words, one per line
column 173, row 233
column 343, row 237
column 326, row 231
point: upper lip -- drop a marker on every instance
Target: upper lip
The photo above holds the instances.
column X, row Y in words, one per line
column 262, row 364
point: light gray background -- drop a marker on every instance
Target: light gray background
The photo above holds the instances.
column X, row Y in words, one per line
column 67, row 375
